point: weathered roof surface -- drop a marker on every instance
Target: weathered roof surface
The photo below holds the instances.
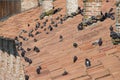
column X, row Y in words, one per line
column 55, row 57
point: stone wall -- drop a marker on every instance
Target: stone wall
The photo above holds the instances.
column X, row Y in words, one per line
column 118, row 18
column 28, row 4
column 11, row 67
column 47, row 5
column 92, row 8
column 72, row 6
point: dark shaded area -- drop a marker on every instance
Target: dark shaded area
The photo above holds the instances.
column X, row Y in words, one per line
column 9, row 8
column 8, row 45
